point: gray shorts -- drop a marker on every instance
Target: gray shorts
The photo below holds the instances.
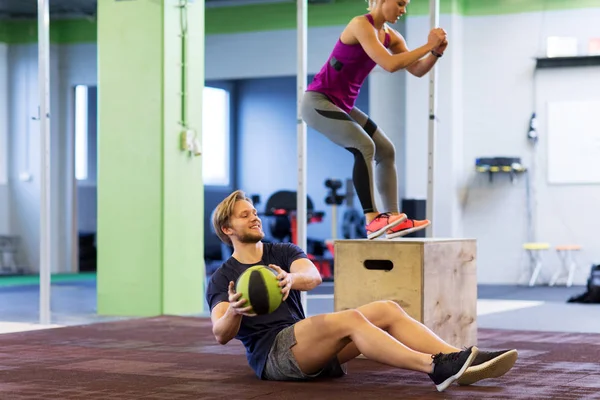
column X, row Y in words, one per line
column 282, row 366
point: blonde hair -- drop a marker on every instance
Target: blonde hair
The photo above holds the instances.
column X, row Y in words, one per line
column 224, row 211
column 371, row 4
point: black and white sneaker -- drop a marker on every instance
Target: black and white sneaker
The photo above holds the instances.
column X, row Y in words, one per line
column 489, row 364
column 449, row 367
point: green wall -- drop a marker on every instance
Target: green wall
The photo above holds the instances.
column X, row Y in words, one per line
column 61, row 31
column 267, row 17
column 130, row 149
column 150, row 194
column 264, row 17
column 499, row 7
column 183, row 189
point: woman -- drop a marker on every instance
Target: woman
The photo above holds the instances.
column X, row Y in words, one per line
column 328, row 107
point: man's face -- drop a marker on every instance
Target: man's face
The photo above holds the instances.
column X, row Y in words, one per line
column 244, row 224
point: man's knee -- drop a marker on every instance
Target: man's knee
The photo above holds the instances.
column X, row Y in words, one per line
column 334, row 329
column 389, row 307
column 345, row 321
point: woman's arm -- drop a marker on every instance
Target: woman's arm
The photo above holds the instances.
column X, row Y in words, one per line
column 366, row 35
column 422, row 66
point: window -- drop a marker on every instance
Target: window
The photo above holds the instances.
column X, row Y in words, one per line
column 81, row 132
column 215, row 137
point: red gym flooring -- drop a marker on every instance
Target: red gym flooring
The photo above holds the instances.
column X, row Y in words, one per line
column 177, row 358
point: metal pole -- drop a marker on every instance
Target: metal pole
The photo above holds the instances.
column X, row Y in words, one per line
column 44, row 93
column 434, row 6
column 301, row 212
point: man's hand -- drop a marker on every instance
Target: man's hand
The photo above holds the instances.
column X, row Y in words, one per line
column 236, row 305
column 285, row 280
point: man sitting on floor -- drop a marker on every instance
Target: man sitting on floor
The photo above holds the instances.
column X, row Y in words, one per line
column 285, row 345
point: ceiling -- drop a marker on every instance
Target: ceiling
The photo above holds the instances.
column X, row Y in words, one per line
column 27, row 9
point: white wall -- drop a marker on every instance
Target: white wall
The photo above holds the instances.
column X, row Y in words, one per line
column 24, row 151
column 24, row 148
column 68, row 65
column 485, row 95
column 498, row 101
column 456, row 100
column 567, row 213
column 4, row 219
column 447, row 221
column 265, row 54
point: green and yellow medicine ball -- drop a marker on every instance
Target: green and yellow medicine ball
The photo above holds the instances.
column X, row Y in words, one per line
column 260, row 287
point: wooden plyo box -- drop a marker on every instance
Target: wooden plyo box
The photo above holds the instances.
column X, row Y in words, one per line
column 434, row 280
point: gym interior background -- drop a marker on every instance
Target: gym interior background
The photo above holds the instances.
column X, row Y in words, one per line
column 495, row 75
column 516, row 168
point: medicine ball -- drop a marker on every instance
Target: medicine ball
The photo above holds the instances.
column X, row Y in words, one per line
column 260, row 287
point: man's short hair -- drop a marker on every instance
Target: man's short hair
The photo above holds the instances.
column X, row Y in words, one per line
column 223, row 213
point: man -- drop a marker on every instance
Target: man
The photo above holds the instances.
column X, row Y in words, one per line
column 285, row 345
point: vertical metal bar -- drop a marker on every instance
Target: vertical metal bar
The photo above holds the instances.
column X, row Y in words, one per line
column 301, row 213
column 434, row 6
column 44, row 93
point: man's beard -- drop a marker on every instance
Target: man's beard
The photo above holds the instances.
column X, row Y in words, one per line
column 251, row 237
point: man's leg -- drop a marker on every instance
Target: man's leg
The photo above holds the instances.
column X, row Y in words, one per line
column 390, row 317
column 322, row 337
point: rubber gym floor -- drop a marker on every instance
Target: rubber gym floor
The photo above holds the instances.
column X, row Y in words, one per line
column 85, row 356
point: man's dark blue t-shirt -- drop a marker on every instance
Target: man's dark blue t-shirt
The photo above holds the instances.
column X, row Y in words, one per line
column 258, row 333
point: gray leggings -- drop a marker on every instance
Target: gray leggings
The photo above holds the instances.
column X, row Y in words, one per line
column 358, row 134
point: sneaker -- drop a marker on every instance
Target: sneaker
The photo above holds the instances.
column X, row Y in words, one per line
column 489, row 364
column 382, row 223
column 406, row 227
column 449, row 367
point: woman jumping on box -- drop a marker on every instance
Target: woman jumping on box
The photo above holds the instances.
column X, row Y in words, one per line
column 328, row 107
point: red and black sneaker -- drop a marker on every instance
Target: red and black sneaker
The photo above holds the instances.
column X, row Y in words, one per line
column 406, row 227
column 382, row 223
